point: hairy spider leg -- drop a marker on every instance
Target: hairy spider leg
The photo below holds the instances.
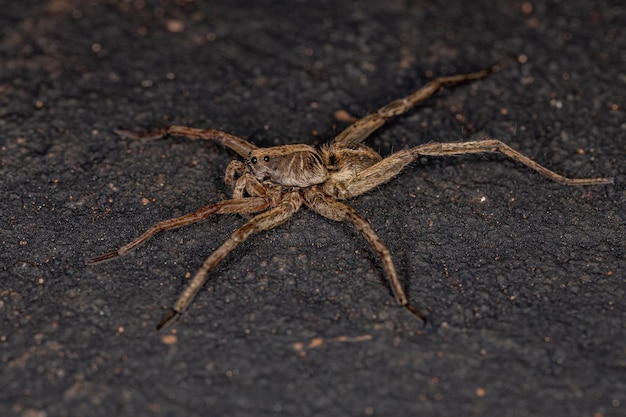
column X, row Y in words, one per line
column 243, row 205
column 497, row 146
column 321, row 203
column 270, row 219
column 389, row 167
column 362, row 128
column 240, row 146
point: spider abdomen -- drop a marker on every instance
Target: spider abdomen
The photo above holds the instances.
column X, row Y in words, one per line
column 288, row 165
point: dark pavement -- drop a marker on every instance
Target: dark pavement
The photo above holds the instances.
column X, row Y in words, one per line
column 523, row 280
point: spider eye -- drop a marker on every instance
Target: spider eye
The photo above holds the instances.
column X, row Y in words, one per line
column 266, row 158
column 253, row 160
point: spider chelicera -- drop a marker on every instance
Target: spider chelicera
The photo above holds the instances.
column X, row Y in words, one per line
column 275, row 182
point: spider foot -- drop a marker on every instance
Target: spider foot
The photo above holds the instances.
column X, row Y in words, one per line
column 498, row 66
column 420, row 316
column 171, row 316
column 102, row 258
column 129, row 134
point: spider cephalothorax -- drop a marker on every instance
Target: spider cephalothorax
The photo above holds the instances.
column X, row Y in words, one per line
column 277, row 181
column 289, row 165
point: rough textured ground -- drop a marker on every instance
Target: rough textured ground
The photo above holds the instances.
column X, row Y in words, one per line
column 523, row 279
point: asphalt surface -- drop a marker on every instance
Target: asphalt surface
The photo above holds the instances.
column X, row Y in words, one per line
column 522, row 279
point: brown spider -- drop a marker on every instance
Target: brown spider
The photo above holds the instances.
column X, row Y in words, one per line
column 277, row 181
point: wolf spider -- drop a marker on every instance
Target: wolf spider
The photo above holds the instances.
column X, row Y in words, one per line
column 277, row 181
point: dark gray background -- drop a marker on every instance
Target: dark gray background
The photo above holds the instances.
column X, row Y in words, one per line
column 522, row 279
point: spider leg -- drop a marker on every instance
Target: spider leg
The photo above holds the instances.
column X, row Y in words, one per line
column 243, row 205
column 497, row 146
column 389, row 167
column 290, row 204
column 328, row 207
column 240, row 146
column 362, row 128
